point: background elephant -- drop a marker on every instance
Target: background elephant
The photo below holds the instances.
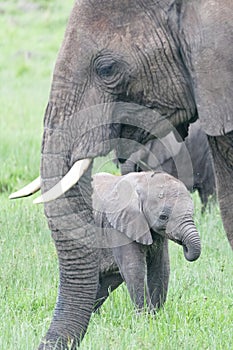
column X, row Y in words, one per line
column 127, row 71
column 175, row 158
column 137, row 213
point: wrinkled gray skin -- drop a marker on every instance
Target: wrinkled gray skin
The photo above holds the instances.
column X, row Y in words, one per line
column 163, row 60
column 138, row 213
column 174, row 157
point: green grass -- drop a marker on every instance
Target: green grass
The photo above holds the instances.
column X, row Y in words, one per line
column 198, row 313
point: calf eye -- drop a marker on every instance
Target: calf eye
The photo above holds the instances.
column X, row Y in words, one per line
column 163, row 217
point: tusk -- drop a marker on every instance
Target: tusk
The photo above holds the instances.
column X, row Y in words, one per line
column 68, row 181
column 28, row 190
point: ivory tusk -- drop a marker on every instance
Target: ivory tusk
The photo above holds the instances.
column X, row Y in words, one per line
column 68, row 181
column 28, row 190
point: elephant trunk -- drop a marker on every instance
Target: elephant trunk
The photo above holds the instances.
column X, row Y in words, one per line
column 70, row 219
column 190, row 241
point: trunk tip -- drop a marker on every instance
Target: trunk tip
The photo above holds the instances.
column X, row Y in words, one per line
column 191, row 254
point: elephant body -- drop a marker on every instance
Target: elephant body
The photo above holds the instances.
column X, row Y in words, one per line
column 190, row 161
column 128, row 71
column 137, row 214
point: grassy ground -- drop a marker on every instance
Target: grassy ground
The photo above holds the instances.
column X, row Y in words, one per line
column 199, row 310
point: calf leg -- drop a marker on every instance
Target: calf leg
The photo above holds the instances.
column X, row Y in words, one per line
column 131, row 260
column 158, row 270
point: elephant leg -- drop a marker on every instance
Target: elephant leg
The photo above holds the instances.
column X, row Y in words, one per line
column 204, row 198
column 222, row 150
column 131, row 260
column 158, row 270
column 108, row 283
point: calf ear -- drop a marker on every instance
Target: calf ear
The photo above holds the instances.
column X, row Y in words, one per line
column 124, row 213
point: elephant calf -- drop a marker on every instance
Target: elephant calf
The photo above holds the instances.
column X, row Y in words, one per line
column 137, row 213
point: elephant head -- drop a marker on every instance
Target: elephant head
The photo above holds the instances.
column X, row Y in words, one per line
column 126, row 71
column 172, row 216
column 142, row 204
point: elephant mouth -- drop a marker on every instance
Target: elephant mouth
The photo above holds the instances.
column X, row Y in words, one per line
column 177, row 241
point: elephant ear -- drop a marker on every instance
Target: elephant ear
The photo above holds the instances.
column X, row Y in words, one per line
column 209, row 30
column 124, row 212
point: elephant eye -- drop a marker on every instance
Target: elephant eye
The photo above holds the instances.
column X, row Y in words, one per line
column 106, row 66
column 109, row 70
column 163, row 217
column 106, row 70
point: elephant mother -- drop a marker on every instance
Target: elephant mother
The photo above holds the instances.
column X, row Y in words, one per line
column 128, row 70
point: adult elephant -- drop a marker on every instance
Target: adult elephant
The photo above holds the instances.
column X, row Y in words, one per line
column 128, row 69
